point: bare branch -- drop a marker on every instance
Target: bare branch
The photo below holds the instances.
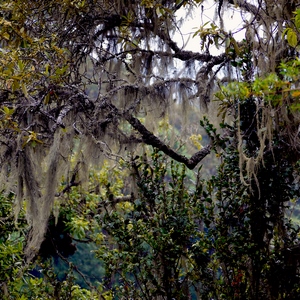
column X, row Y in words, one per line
column 152, row 140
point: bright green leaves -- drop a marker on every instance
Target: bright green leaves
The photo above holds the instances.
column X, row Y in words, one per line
column 290, row 70
column 291, row 36
column 269, row 88
column 109, row 179
column 78, row 227
column 233, row 91
column 291, row 74
column 291, row 33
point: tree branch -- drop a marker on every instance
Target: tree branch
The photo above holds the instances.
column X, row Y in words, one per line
column 250, row 8
column 152, row 140
column 183, row 55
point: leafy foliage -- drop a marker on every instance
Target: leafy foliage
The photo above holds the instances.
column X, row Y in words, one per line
column 153, row 240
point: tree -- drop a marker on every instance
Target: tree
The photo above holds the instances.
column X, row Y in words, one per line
column 55, row 51
column 86, row 80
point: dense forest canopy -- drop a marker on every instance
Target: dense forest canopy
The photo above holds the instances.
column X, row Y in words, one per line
column 86, row 82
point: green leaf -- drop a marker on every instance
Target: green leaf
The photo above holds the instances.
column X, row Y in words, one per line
column 227, row 42
column 47, row 98
column 292, row 37
column 6, row 35
column 297, row 18
column 24, row 89
column 235, row 45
